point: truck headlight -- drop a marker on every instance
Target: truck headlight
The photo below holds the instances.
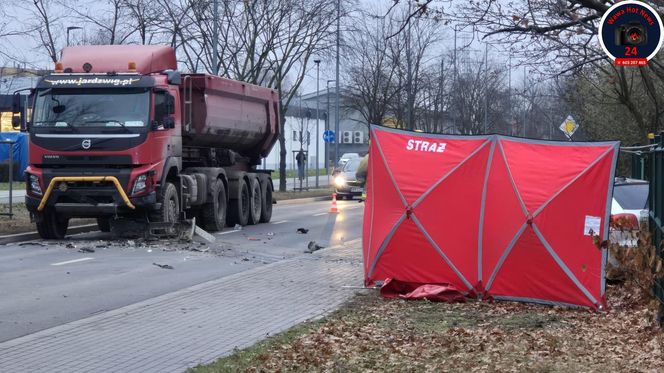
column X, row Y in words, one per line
column 340, row 181
column 140, row 184
column 33, row 182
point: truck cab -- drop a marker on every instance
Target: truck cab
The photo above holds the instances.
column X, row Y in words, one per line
column 106, row 142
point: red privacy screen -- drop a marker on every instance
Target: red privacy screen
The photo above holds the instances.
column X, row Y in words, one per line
column 509, row 218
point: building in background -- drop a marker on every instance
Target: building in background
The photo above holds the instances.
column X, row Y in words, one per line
column 353, row 136
column 13, row 79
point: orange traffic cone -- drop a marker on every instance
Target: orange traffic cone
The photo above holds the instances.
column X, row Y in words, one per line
column 334, row 209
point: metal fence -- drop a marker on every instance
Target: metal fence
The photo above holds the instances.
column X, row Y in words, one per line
column 648, row 164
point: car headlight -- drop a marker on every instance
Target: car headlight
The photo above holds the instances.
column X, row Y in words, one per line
column 340, row 181
column 35, row 188
column 140, row 184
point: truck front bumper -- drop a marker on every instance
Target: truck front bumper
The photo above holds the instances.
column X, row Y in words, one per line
column 78, row 203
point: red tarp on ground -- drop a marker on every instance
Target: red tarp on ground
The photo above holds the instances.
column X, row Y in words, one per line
column 505, row 217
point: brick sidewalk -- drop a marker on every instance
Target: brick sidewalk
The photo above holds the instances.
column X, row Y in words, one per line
column 195, row 325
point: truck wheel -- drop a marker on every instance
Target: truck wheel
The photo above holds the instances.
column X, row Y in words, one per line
column 238, row 209
column 50, row 226
column 213, row 214
column 170, row 206
column 255, row 202
column 266, row 211
column 104, row 224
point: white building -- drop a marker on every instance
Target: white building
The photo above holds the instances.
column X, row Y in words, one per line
column 301, row 118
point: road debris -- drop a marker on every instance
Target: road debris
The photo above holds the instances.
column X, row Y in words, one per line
column 253, row 238
column 164, row 266
column 203, row 250
column 313, row 246
column 302, row 230
column 86, row 250
column 200, row 232
column 270, row 234
column 31, row 244
column 237, row 227
column 70, row 246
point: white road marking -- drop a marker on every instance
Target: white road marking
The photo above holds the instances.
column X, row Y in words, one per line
column 320, row 214
column 280, row 222
column 233, row 231
column 71, row 261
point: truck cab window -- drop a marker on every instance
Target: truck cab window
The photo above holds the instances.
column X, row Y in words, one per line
column 160, row 111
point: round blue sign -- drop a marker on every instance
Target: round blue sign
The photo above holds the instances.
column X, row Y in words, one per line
column 328, row 136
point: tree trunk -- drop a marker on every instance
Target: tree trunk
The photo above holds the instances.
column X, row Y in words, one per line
column 282, row 153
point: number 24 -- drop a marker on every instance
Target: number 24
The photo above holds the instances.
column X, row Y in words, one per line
column 630, row 51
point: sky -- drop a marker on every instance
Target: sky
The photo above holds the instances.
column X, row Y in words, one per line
column 27, row 49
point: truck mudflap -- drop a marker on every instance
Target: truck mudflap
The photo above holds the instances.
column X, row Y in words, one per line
column 107, row 179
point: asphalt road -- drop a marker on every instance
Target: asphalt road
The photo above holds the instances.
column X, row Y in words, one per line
column 44, row 284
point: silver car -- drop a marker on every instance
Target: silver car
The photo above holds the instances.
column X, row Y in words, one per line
column 345, row 182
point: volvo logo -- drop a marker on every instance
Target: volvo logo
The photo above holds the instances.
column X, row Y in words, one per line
column 86, row 144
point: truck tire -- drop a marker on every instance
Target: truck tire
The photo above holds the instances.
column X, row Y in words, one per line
column 255, row 202
column 104, row 224
column 51, row 227
column 213, row 214
column 266, row 211
column 169, row 209
column 238, row 209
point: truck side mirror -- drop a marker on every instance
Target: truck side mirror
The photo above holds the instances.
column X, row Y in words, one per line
column 169, row 122
column 170, row 104
column 16, row 122
column 17, row 108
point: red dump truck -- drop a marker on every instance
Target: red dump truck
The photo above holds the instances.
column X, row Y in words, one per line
column 118, row 134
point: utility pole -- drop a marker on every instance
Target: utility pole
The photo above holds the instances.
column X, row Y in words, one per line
column 409, row 78
column 441, row 95
column 317, row 62
column 454, row 88
column 336, row 119
column 509, row 94
column 525, row 107
column 215, row 37
column 69, row 29
column 327, row 127
column 486, row 87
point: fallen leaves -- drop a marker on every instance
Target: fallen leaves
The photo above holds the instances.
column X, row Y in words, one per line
column 374, row 334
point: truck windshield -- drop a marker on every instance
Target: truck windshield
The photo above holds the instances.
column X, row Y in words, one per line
column 106, row 108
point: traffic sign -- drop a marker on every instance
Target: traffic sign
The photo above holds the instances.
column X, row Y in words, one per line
column 328, row 136
column 569, row 126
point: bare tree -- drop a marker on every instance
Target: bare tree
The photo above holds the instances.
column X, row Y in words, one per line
column 109, row 18
column 45, row 21
column 145, row 14
column 372, row 70
column 264, row 42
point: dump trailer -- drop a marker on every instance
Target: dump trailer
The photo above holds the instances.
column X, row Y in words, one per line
column 118, row 134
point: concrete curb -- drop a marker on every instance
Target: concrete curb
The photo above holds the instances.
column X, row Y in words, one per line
column 297, row 201
column 29, row 236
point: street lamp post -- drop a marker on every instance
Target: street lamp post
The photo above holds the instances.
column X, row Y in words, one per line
column 71, row 28
column 327, row 127
column 336, row 119
column 215, row 36
column 317, row 62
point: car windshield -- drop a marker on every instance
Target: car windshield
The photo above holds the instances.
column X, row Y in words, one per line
column 75, row 108
column 631, row 196
column 351, row 165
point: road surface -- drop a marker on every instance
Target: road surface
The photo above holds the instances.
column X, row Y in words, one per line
column 45, row 284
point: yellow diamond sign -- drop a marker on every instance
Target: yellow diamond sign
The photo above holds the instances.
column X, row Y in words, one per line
column 569, row 126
